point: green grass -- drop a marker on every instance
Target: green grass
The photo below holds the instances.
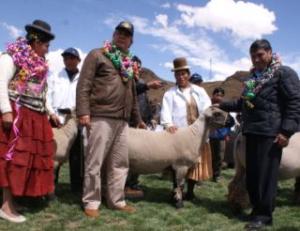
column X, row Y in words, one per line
column 155, row 212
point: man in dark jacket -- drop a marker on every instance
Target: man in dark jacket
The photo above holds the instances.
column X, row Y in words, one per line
column 270, row 107
column 132, row 189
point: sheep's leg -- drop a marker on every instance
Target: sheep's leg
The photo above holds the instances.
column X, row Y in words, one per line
column 297, row 190
column 179, row 179
column 237, row 192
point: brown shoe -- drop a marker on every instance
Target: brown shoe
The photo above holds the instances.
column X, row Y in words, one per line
column 91, row 212
column 127, row 209
column 133, row 193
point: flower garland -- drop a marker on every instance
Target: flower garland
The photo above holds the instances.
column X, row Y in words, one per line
column 122, row 61
column 32, row 68
column 254, row 84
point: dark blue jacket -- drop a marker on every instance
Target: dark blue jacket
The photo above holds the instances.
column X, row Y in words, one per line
column 276, row 106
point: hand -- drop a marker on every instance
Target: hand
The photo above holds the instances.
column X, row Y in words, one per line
column 142, row 125
column 7, row 121
column 153, row 124
column 281, row 140
column 171, row 129
column 55, row 120
column 85, row 120
column 155, row 84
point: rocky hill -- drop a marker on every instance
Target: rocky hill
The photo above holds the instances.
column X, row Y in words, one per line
column 232, row 85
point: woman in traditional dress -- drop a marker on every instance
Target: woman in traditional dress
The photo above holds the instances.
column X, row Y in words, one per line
column 26, row 139
column 181, row 106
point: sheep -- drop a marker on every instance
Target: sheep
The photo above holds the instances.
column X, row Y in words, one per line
column 289, row 168
column 152, row 152
column 64, row 138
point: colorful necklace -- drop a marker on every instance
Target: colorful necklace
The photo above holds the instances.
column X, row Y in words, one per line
column 122, row 62
column 32, row 68
column 255, row 83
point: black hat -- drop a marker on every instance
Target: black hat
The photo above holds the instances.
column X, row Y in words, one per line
column 196, row 78
column 126, row 25
column 40, row 27
column 71, row 51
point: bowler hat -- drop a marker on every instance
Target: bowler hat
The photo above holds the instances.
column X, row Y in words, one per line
column 180, row 64
column 71, row 51
column 40, row 27
column 126, row 25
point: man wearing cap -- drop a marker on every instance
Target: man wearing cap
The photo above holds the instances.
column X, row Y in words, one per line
column 105, row 101
column 61, row 97
column 196, row 79
column 181, row 106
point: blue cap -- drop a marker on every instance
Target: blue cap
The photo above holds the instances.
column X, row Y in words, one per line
column 196, row 78
column 71, row 51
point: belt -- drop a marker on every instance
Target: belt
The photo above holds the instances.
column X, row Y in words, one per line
column 66, row 111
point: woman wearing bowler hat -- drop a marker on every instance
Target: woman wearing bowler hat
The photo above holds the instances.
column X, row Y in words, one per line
column 181, row 106
column 26, row 139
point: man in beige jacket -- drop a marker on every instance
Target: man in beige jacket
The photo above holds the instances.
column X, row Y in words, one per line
column 105, row 101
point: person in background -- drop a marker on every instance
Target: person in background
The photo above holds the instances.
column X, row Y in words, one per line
column 132, row 189
column 196, row 79
column 61, row 103
column 270, row 106
column 105, row 101
column 26, row 138
column 181, row 106
column 217, row 137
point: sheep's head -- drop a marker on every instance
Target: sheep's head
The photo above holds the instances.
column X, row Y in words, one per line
column 215, row 117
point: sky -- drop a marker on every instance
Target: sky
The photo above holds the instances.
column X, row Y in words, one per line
column 213, row 35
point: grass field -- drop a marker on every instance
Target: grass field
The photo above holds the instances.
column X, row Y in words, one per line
column 209, row 212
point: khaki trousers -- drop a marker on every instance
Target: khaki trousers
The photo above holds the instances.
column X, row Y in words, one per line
column 107, row 145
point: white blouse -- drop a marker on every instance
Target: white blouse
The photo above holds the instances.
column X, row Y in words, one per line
column 174, row 105
column 7, row 71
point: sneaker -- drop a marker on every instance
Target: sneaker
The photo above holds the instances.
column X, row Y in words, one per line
column 14, row 219
column 94, row 213
column 133, row 193
column 126, row 208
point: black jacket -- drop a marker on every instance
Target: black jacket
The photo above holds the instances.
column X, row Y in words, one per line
column 276, row 106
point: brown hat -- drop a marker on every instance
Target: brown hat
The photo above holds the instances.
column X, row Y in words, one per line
column 126, row 25
column 40, row 27
column 180, row 64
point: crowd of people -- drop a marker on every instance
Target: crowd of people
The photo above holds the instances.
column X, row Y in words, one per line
column 41, row 117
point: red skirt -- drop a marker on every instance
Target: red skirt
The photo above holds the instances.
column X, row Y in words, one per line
column 30, row 171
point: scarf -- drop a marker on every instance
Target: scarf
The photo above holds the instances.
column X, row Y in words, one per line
column 31, row 67
column 255, row 83
column 122, row 61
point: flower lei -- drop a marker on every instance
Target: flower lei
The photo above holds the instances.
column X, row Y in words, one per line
column 254, row 84
column 32, row 68
column 127, row 68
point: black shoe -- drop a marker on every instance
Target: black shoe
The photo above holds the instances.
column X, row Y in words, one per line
column 189, row 197
column 216, row 179
column 257, row 225
column 246, row 218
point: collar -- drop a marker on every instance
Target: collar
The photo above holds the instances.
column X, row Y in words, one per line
column 71, row 74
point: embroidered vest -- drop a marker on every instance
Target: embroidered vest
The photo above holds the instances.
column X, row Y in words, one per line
column 29, row 98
